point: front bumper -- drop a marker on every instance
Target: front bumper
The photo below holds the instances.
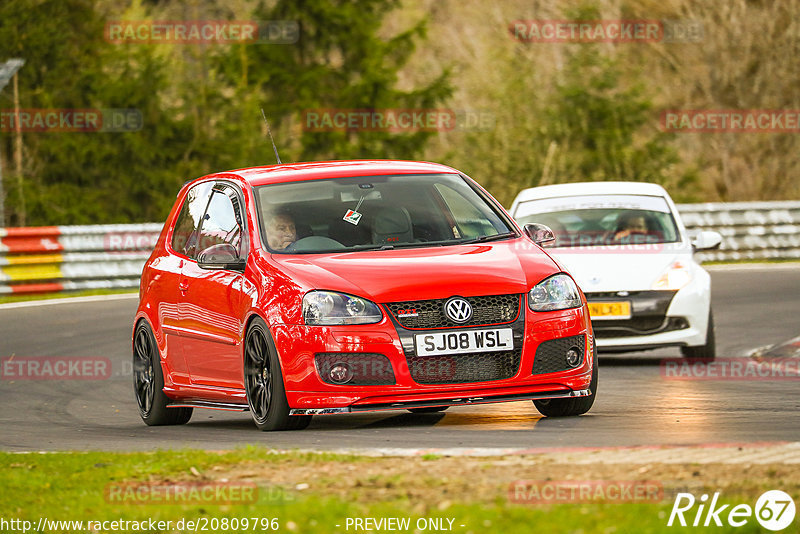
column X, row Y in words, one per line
column 660, row 319
column 307, row 393
column 374, row 405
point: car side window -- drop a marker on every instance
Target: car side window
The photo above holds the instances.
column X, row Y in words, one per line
column 470, row 221
column 184, row 235
column 221, row 223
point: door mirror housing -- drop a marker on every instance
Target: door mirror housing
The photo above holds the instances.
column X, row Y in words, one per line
column 707, row 240
column 539, row 233
column 221, row 256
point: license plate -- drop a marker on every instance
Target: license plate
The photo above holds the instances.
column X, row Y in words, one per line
column 610, row 310
column 464, row 341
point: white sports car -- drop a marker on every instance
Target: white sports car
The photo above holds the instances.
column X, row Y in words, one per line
column 625, row 245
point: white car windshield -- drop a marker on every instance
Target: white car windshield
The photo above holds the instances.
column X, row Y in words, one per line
column 590, row 220
column 376, row 212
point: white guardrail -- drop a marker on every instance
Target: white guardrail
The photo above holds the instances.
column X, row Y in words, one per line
column 66, row 258
column 750, row 230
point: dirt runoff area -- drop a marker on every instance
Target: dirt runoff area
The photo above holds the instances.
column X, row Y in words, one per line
column 431, row 480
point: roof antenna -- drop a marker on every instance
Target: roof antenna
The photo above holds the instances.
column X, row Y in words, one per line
column 270, row 137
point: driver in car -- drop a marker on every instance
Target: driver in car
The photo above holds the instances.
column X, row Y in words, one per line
column 629, row 224
column 281, row 230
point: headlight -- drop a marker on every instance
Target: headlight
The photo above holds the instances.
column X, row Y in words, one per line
column 558, row 292
column 330, row 308
column 675, row 277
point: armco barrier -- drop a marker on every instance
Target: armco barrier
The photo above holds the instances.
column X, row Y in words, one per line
column 750, row 230
column 64, row 258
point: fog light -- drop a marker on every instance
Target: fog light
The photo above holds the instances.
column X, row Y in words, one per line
column 340, row 373
column 573, row 357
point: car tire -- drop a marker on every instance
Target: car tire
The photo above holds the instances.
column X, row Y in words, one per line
column 428, row 409
column 266, row 393
column 148, row 382
column 707, row 352
column 570, row 407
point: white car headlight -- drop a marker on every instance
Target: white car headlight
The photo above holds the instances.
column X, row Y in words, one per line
column 331, row 308
column 675, row 277
column 558, row 292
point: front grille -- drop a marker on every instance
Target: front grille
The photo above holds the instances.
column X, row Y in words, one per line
column 638, row 326
column 368, row 369
column 643, row 324
column 463, row 368
column 551, row 355
column 494, row 309
column 599, row 295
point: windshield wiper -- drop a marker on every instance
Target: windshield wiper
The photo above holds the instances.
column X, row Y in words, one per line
column 415, row 244
column 487, row 238
column 368, row 246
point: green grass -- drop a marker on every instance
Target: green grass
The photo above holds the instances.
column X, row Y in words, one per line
column 67, row 294
column 71, row 486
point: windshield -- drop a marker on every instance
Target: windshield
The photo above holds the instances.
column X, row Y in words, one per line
column 592, row 220
column 375, row 212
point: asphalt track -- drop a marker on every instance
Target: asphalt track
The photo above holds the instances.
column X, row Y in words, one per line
column 636, row 405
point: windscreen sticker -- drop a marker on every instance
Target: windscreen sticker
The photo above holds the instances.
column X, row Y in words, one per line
column 352, row 216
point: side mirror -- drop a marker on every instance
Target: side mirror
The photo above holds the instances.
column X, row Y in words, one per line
column 707, row 240
column 221, row 256
column 539, row 233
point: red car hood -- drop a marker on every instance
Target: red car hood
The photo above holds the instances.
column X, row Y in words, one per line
column 504, row 267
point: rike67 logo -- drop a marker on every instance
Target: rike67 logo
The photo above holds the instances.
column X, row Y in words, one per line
column 774, row 510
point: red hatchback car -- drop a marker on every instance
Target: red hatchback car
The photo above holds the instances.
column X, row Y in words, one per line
column 351, row 286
